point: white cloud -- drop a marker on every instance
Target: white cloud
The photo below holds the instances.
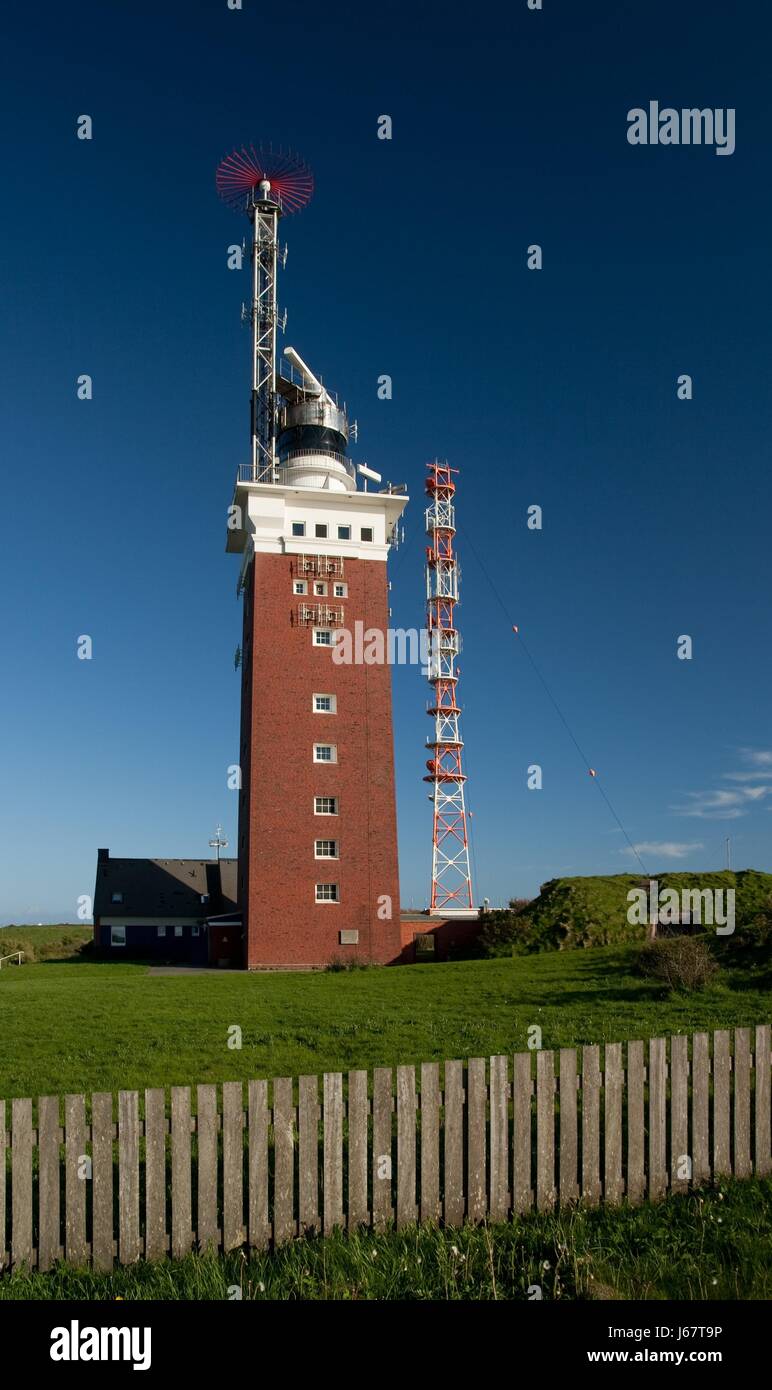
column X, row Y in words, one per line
column 757, row 757
column 721, row 804
column 760, row 770
column 666, row 849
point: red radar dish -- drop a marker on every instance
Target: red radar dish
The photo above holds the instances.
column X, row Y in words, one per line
column 291, row 180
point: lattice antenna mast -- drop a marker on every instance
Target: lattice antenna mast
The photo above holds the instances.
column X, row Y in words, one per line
column 264, row 316
column 265, row 185
column 451, row 879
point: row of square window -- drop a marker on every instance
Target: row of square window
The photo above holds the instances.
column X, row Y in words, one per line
column 321, row 531
column 319, row 589
column 118, row 934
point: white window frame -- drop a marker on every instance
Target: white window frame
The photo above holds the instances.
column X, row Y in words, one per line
column 323, row 695
column 321, row 530
column 334, row 801
column 160, row 931
column 325, row 632
column 300, row 587
column 347, row 536
column 178, row 931
column 318, row 855
column 321, row 899
column 195, row 931
column 297, row 533
column 333, row 758
column 368, row 540
column 119, row 940
column 339, row 590
column 320, row 588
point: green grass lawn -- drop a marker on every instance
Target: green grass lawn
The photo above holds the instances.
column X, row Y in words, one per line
column 715, row 1243
column 77, row 1026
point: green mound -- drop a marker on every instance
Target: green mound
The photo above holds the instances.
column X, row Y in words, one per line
column 593, row 911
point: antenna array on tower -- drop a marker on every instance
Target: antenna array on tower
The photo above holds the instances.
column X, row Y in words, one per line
column 451, row 879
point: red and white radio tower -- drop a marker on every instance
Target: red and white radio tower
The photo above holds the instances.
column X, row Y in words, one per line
column 451, row 879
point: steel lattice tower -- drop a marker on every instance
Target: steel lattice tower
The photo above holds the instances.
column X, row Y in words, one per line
column 451, row 879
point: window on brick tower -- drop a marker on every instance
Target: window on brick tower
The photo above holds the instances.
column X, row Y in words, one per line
column 340, row 590
column 326, row 849
column 322, row 637
column 320, row 531
column 300, row 586
column 344, row 533
column 366, row 533
column 325, row 805
column 327, row 893
column 320, row 590
column 298, row 528
column 325, row 753
column 325, row 704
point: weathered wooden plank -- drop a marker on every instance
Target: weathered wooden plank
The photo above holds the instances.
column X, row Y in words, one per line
column 657, row 1118
column 453, row 1144
column 75, row 1179
column 500, row 1196
column 406, row 1147
column 259, row 1119
column 591, row 1082
column 430, row 1141
column 476, row 1107
column 522, row 1195
column 233, row 1233
column 182, row 1214
column 743, row 1166
column 308, row 1153
column 284, row 1228
column 21, row 1183
column 102, row 1238
column 207, row 1232
column 722, row 1063
column 358, row 1211
column 128, row 1177
column 763, row 1119
column 569, row 1126
column 545, row 1130
column 4, row 1257
column 49, row 1215
column 613, row 1086
column 383, row 1210
column 636, row 1181
column 155, row 1174
column 681, row 1157
column 701, row 1168
column 333, row 1150
column 102, row 1182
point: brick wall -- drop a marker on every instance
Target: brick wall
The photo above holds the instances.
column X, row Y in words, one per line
column 277, row 825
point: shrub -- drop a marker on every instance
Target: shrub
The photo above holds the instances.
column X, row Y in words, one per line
column 336, row 964
column 680, row 962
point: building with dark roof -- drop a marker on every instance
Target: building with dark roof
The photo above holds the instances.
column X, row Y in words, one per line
column 175, row 910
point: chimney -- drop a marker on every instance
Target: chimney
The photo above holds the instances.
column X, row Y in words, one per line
column 102, row 856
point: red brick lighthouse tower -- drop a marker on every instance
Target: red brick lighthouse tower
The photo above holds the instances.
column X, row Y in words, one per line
column 317, row 839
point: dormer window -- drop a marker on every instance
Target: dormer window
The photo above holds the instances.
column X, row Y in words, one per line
column 116, row 897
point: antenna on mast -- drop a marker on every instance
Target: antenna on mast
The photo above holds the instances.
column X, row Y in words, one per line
column 219, row 842
column 265, row 186
column 451, row 878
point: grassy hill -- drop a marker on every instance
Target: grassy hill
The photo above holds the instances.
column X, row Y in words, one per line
column 45, row 943
column 592, row 911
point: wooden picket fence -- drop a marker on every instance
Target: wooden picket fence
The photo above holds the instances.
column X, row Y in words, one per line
column 487, row 1140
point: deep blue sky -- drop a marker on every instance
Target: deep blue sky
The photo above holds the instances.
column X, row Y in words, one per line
column 555, row 388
